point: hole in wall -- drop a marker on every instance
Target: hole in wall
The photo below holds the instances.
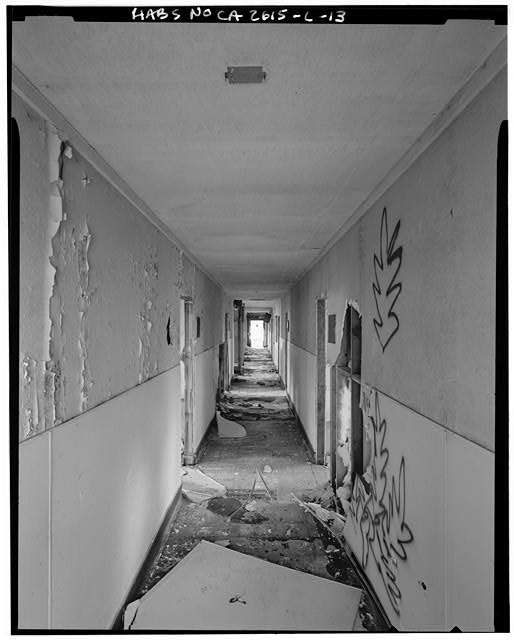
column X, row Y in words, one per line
column 168, row 335
column 348, row 448
column 332, row 328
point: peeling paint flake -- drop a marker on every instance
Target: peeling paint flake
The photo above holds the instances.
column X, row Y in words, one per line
column 86, row 381
column 29, row 417
column 37, row 397
column 148, row 286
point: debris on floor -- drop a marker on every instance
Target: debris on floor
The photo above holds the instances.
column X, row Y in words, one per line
column 344, row 492
column 222, row 543
column 265, row 486
column 223, row 506
column 255, row 514
column 205, row 590
column 322, row 494
column 129, row 614
column 229, row 428
column 332, row 520
column 199, row 487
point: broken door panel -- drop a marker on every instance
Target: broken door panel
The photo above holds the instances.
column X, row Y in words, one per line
column 346, row 455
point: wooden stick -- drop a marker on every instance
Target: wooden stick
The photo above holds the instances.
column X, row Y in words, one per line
column 265, row 485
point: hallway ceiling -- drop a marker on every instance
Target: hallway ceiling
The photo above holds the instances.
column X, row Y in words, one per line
column 254, row 179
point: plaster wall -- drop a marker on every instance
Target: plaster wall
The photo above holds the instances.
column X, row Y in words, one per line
column 275, row 348
column 436, row 372
column 412, row 590
column 302, row 380
column 435, row 582
column 111, row 277
column 99, row 413
column 85, row 519
column 314, row 284
column 282, row 355
column 106, row 464
column 441, row 361
column 206, row 380
column 34, row 532
column 469, row 526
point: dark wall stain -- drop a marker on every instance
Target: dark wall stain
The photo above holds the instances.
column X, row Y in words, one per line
column 332, row 328
column 168, row 335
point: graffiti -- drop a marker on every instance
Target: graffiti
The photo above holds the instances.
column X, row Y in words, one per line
column 385, row 288
column 378, row 512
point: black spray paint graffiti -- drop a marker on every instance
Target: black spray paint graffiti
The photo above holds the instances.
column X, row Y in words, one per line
column 385, row 288
column 378, row 512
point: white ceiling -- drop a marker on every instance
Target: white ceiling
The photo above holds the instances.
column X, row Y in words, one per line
column 253, row 179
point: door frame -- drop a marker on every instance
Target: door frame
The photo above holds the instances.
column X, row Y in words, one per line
column 187, row 359
column 321, row 356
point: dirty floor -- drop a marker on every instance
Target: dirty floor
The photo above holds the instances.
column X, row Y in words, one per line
column 258, row 515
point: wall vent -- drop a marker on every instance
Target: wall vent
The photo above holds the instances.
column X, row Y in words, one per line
column 245, row 75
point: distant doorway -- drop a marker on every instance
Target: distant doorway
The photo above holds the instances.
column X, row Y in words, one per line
column 286, row 348
column 257, row 334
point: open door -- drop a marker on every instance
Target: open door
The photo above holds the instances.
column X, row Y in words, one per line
column 347, row 442
column 223, row 362
column 320, row 380
column 186, row 378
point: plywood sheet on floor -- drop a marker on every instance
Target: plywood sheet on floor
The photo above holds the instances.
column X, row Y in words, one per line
column 214, row 588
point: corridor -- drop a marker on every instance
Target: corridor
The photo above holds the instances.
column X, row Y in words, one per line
column 257, row 399
column 258, row 516
column 258, row 318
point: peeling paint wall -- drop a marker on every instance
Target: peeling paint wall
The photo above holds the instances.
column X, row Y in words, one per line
column 99, row 380
column 441, row 360
column 99, row 275
column 420, row 265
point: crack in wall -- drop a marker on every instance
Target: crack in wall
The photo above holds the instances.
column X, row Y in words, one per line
column 83, row 301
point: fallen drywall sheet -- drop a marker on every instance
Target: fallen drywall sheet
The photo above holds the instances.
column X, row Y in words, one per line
column 333, row 522
column 214, row 588
column 229, row 428
column 198, row 487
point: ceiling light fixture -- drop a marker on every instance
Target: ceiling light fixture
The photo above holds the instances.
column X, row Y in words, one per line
column 245, row 75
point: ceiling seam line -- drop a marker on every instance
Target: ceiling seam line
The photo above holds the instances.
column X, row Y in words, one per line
column 479, row 79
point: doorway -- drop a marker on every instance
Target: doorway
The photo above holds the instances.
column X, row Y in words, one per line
column 186, row 378
column 257, row 334
column 320, row 380
column 278, row 344
column 347, row 446
column 286, row 348
column 223, row 362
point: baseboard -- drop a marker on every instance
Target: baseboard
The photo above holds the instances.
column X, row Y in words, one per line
column 366, row 582
column 150, row 557
column 310, row 451
column 200, row 449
